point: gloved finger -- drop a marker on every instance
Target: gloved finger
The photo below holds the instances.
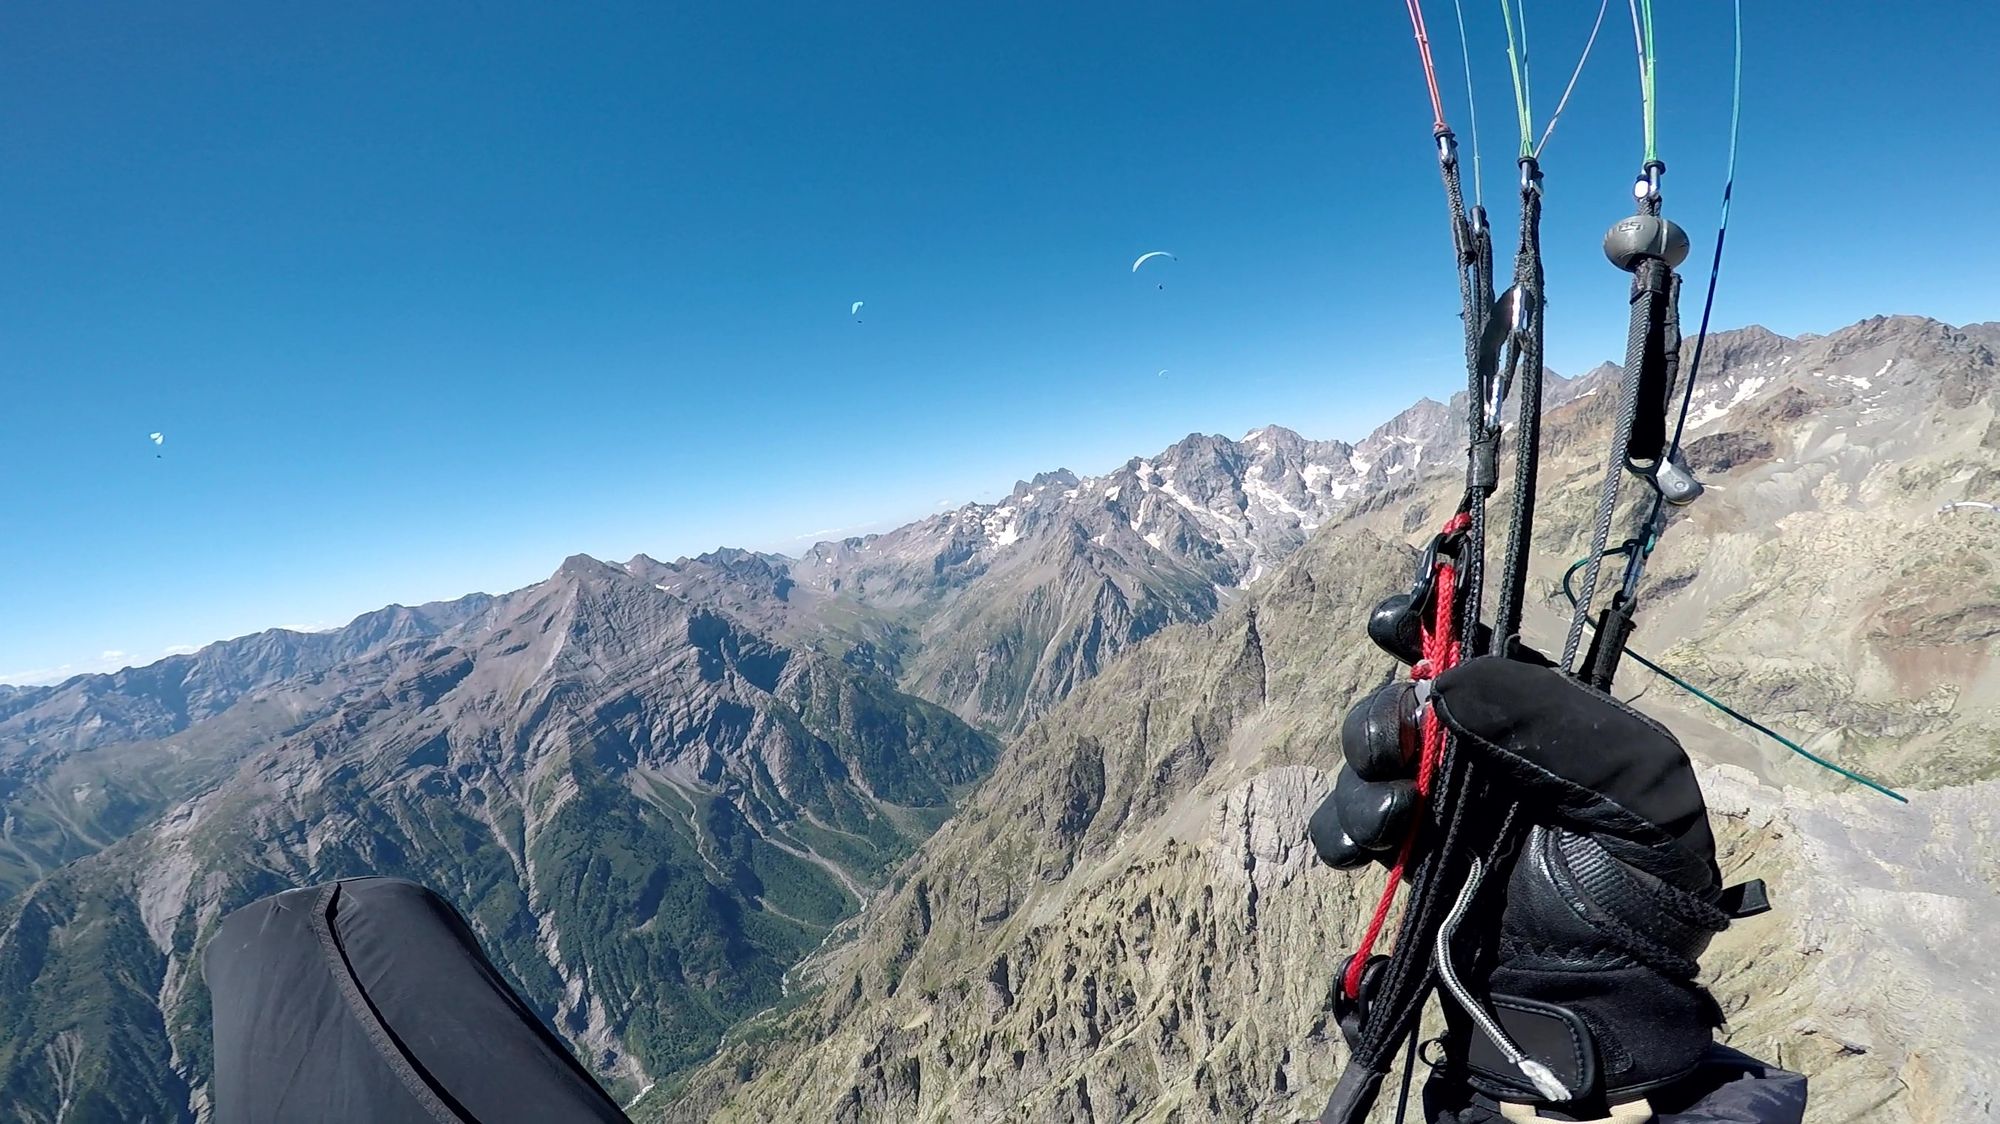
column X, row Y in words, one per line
column 1375, row 814
column 1335, row 847
column 1592, row 761
column 1380, row 737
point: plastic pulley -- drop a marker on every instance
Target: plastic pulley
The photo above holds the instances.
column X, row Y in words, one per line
column 1676, row 483
column 1352, row 1012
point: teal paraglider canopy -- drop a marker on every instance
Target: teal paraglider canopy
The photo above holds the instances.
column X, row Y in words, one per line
column 1149, row 256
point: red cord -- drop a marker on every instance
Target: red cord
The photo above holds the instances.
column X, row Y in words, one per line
column 1430, row 68
column 1442, row 650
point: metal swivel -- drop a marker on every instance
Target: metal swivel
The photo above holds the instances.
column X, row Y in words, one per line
column 1634, row 240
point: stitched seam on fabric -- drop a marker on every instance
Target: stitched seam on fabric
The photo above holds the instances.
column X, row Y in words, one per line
column 1573, row 889
column 379, row 1036
column 1559, row 958
column 1630, row 823
column 1607, row 906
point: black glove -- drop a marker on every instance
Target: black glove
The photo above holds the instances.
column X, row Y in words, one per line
column 1612, row 896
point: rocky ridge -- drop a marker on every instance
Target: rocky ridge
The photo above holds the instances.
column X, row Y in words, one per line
column 1122, row 925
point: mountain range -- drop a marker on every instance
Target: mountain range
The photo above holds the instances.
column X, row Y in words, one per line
column 1029, row 776
column 1124, row 923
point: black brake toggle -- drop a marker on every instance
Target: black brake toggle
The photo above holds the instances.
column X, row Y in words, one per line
column 1396, row 625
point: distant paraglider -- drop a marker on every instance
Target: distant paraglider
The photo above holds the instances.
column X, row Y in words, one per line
column 1146, row 257
column 157, row 439
column 856, row 311
column 1974, row 505
column 1162, row 374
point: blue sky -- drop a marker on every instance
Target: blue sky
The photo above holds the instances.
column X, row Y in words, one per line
column 427, row 297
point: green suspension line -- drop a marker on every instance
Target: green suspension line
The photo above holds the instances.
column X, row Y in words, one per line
column 1642, row 31
column 1517, row 62
column 1752, row 723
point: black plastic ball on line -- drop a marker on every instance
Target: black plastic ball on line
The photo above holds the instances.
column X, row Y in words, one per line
column 1632, row 241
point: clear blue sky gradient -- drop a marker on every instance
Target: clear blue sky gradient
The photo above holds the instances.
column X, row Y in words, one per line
column 426, row 297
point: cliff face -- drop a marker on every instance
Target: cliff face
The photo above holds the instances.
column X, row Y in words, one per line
column 1121, row 922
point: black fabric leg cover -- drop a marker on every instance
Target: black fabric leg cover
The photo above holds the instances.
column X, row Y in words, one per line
column 369, row 999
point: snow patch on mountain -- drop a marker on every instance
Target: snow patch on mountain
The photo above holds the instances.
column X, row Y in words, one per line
column 1742, row 392
column 1266, row 495
column 1002, row 527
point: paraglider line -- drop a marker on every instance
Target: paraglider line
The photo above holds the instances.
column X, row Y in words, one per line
column 1721, row 232
column 1430, row 67
column 1527, row 56
column 1602, row 7
column 1517, row 63
column 1471, row 107
column 1642, row 37
column 1697, row 692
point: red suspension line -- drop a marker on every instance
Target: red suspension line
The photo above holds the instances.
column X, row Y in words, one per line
column 1430, row 68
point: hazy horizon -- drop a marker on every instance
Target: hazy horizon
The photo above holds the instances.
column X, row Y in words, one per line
column 113, row 660
column 419, row 302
